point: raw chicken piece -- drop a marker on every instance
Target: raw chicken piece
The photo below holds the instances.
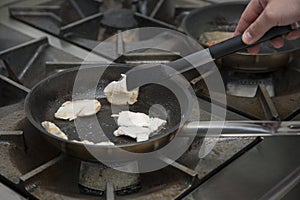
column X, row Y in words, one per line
column 117, row 94
column 156, row 124
column 137, row 125
column 127, row 118
column 136, row 132
column 142, row 137
column 54, row 130
column 70, row 110
column 214, row 37
column 106, row 143
column 83, row 141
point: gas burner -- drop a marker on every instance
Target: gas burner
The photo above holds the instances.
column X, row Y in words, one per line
column 95, row 178
column 91, row 26
column 160, row 9
column 51, row 15
column 29, row 68
column 121, row 19
column 116, row 4
column 117, row 20
column 246, row 85
column 265, row 96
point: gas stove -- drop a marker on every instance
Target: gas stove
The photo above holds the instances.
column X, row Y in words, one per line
column 40, row 38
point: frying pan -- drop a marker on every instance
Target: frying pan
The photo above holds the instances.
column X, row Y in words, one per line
column 47, row 96
column 224, row 17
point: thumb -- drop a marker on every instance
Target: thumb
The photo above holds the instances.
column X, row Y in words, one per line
column 258, row 28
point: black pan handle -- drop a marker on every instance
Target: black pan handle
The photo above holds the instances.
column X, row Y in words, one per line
column 236, row 44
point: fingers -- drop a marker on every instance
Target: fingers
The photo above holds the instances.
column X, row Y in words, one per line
column 277, row 42
column 261, row 15
column 253, row 50
column 250, row 14
column 259, row 27
column 293, row 35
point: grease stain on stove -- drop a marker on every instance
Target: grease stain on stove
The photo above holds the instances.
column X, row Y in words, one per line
column 222, row 151
column 7, row 168
column 168, row 192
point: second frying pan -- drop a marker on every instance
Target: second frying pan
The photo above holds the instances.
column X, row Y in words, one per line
column 224, row 17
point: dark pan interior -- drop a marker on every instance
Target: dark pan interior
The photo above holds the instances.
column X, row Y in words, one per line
column 49, row 95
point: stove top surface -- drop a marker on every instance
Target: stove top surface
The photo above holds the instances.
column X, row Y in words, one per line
column 50, row 36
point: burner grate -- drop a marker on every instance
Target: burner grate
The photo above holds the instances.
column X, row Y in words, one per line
column 94, row 179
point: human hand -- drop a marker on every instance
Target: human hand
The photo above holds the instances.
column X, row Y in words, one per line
column 261, row 15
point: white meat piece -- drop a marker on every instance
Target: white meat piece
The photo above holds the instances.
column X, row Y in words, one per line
column 83, row 141
column 70, row 110
column 54, row 130
column 214, row 37
column 136, row 132
column 142, row 137
column 106, row 143
column 156, row 124
column 137, row 125
column 117, row 94
column 127, row 118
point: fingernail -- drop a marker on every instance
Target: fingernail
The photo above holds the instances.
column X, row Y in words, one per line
column 247, row 37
